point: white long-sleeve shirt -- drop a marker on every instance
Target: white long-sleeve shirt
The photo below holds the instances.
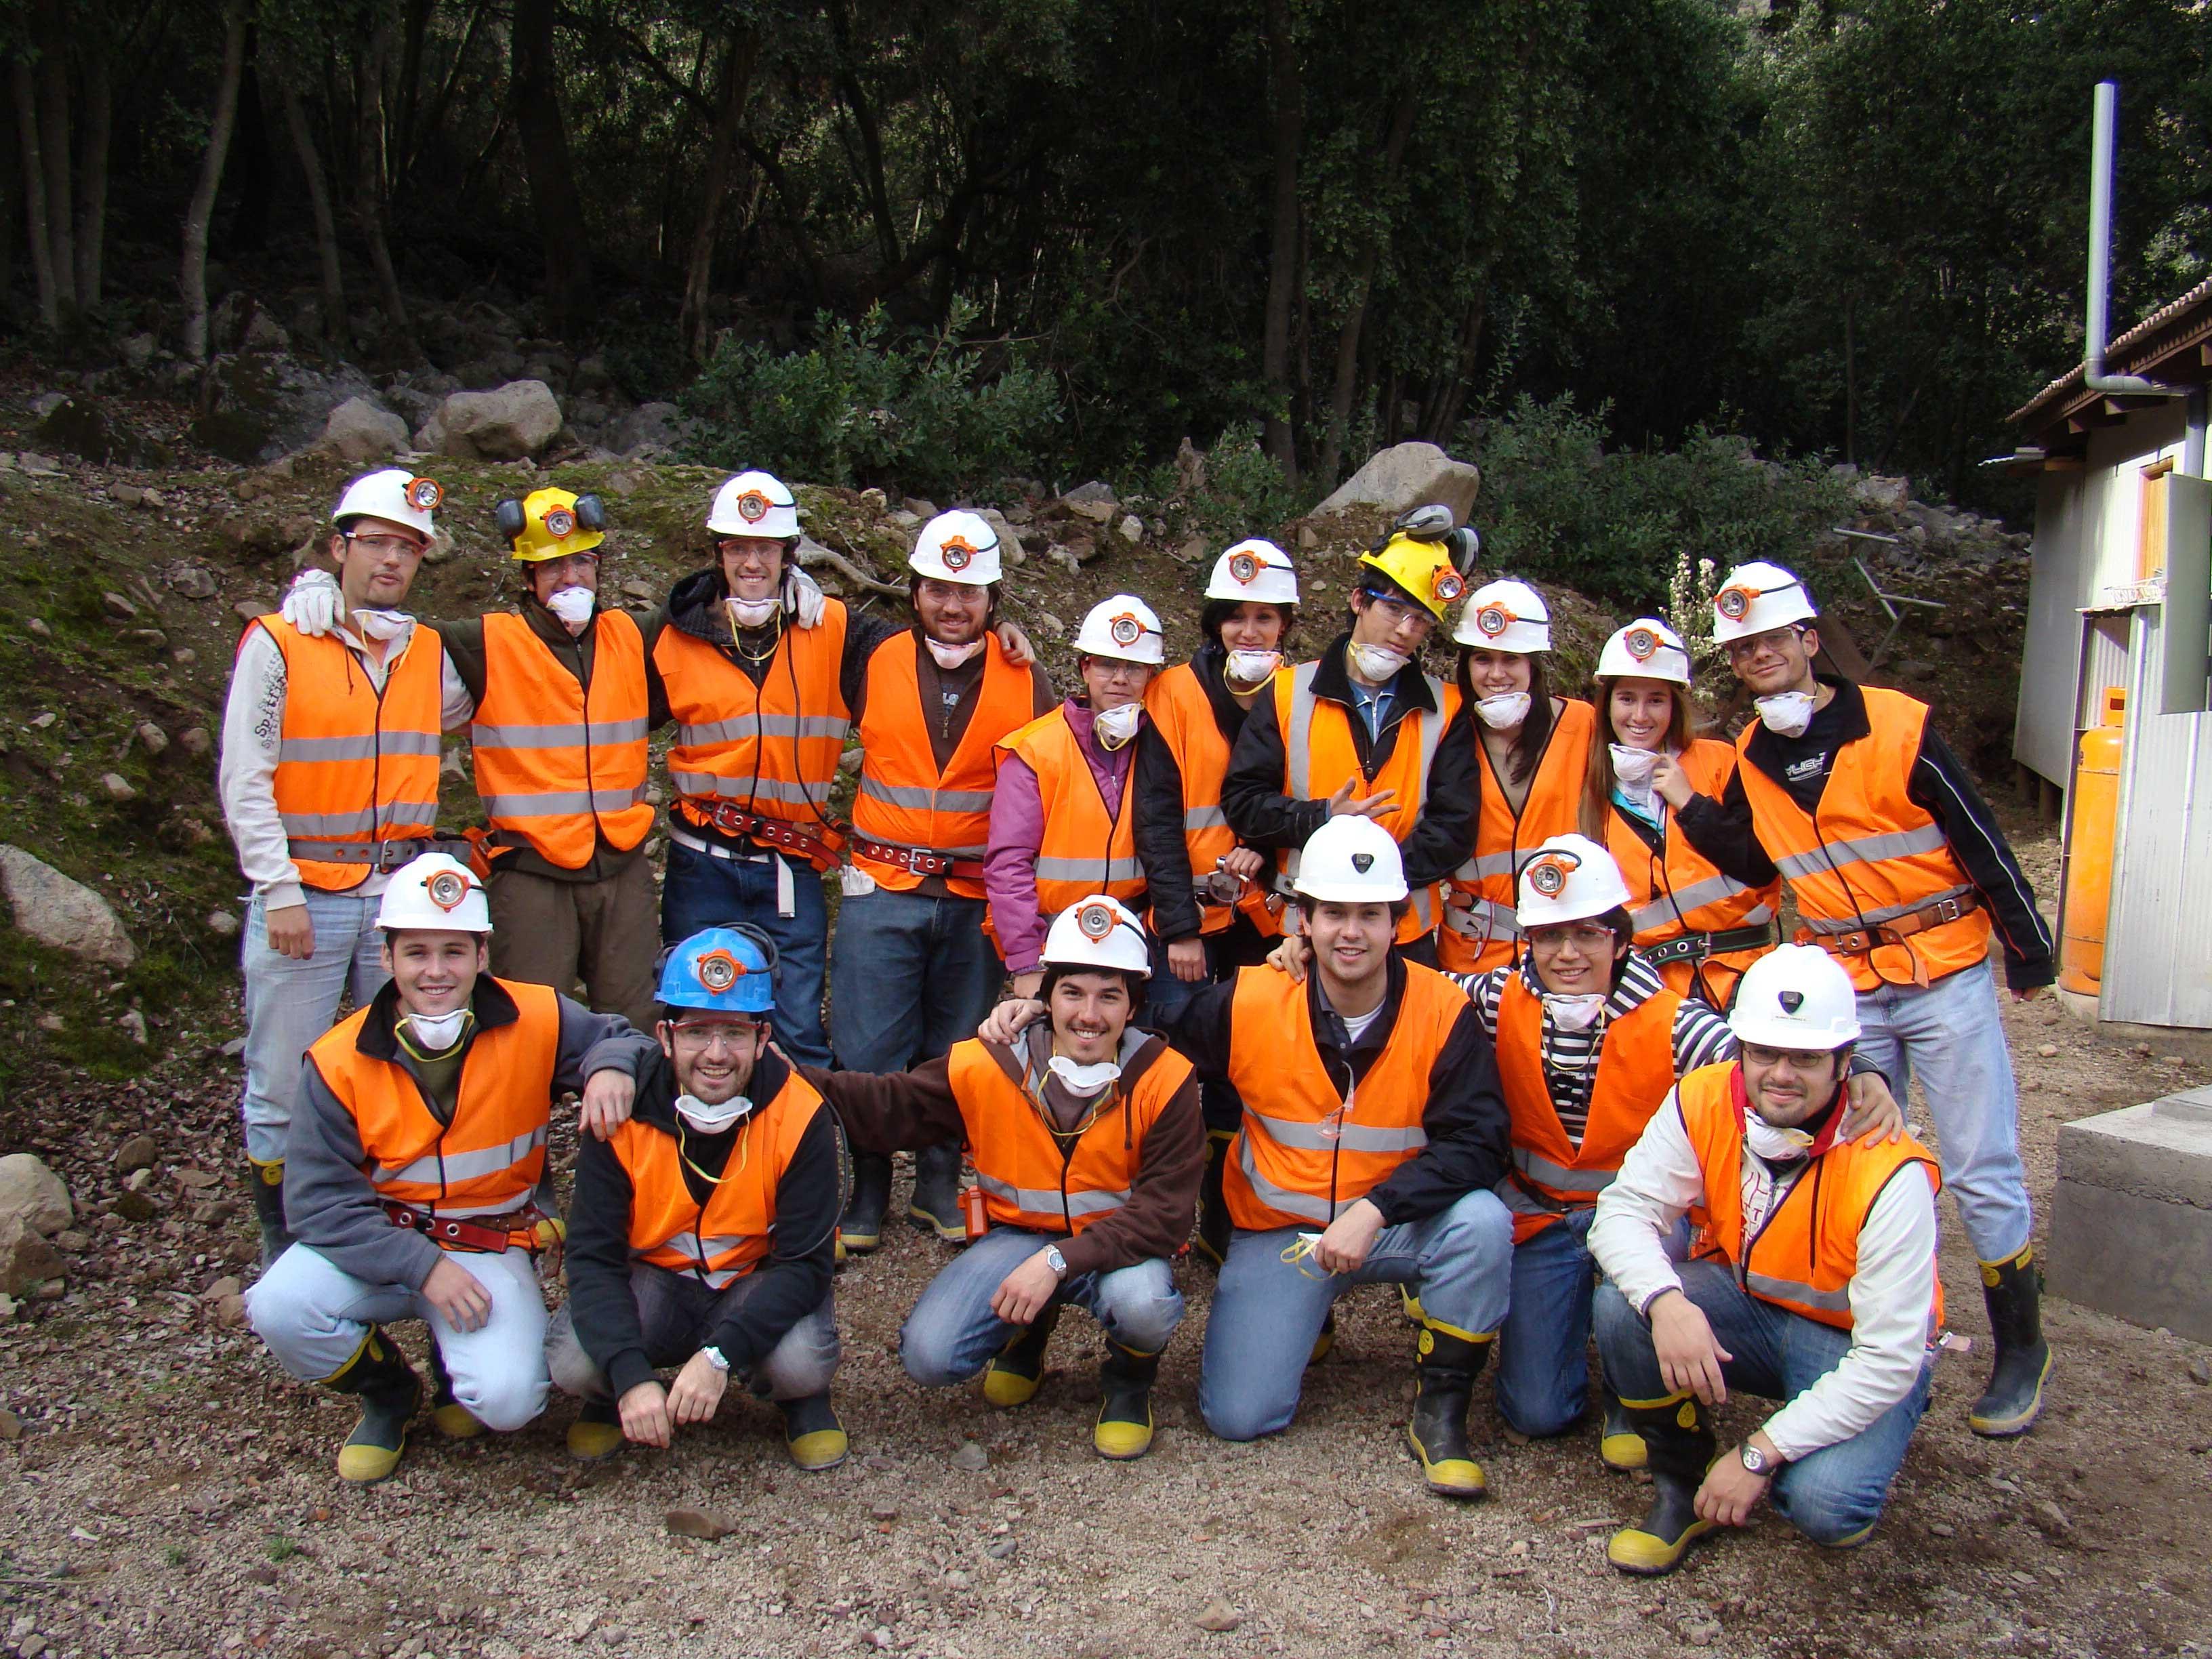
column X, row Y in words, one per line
column 252, row 733
column 1890, row 1294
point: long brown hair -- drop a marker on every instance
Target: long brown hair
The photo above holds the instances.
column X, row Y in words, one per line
column 1528, row 747
column 1598, row 778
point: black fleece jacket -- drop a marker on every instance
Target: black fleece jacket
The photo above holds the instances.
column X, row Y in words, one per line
column 785, row 1286
column 1722, row 830
column 1161, row 848
column 1264, row 817
column 1465, row 1118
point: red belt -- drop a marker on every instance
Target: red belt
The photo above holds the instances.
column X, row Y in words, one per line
column 917, row 861
column 528, row 1228
column 818, row 848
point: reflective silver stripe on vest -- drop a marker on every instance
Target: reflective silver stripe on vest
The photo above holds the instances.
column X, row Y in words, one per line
column 463, row 1211
column 1482, row 918
column 363, row 746
column 1105, row 871
column 1885, row 913
column 1489, row 863
column 561, row 803
column 1046, row 1200
column 788, row 794
column 1789, row 1289
column 1204, row 818
column 1276, row 1198
column 1298, row 741
column 1542, row 1171
column 922, row 799
column 764, row 725
column 1711, row 891
column 1867, row 849
column 694, row 1248
column 466, row 1166
column 1354, row 1137
column 572, row 736
column 399, row 815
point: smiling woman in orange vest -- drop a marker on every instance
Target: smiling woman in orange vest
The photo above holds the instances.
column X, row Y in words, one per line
column 1531, row 747
column 911, row 972
column 1811, row 1279
column 414, row 1169
column 1088, row 1147
column 1698, row 927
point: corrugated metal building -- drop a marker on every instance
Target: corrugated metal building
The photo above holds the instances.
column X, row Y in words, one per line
column 2119, row 598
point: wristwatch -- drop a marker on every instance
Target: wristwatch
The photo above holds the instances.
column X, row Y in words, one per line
column 1758, row 1462
column 715, row 1358
column 1055, row 1261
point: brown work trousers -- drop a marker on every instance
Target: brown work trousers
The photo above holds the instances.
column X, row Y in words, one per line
column 605, row 933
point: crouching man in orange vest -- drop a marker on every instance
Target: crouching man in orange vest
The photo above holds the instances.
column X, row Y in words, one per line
column 702, row 1231
column 1089, row 1146
column 410, row 1174
column 1811, row 1279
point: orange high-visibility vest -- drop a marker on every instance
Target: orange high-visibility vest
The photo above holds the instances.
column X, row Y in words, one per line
column 1090, row 844
column 1303, row 1152
column 1804, row 1257
column 1032, row 1178
column 721, row 1240
column 1634, row 1069
column 1178, row 705
column 1875, row 854
column 488, row 1160
column 770, row 750
column 1319, row 757
column 902, row 798
column 556, row 765
column 1480, row 929
column 1676, row 890
column 354, row 766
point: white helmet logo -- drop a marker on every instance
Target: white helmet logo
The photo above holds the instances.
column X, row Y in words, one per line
column 447, row 889
column 1363, row 862
column 1125, row 630
column 1093, row 922
column 752, row 507
column 718, row 970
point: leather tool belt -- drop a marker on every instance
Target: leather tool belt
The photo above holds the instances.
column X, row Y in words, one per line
column 526, row 1229
column 1696, row 947
column 380, row 855
column 917, row 861
column 1860, row 940
column 817, row 846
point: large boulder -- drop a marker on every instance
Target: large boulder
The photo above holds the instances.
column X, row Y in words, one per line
column 29, row 1189
column 266, row 405
column 505, row 424
column 361, row 430
column 1406, row 475
column 83, row 426
column 64, row 913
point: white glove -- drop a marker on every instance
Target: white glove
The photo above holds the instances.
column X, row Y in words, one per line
column 311, row 604
column 806, row 601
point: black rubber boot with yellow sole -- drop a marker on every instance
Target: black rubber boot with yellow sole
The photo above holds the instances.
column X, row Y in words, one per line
column 1325, row 1344
column 861, row 1229
column 1214, row 1226
column 390, row 1391
column 812, row 1432
column 266, row 1182
column 1446, row 1366
column 1678, row 1445
column 596, row 1432
column 1016, row 1370
column 448, row 1415
column 2013, row 1292
column 1124, row 1430
column 935, row 1205
column 1620, row 1446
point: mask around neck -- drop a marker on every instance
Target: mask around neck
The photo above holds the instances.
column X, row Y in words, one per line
column 1084, row 1082
column 433, row 1033
column 1252, row 667
column 711, row 1120
column 752, row 613
column 382, row 624
column 1786, row 714
column 1576, row 1013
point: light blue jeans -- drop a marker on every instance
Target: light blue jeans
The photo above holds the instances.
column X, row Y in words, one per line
column 951, row 1334
column 703, row 891
column 1267, row 1311
column 290, row 1004
column 1838, row 1491
column 1949, row 1035
column 910, row 976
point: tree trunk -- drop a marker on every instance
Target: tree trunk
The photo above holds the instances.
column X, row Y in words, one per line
column 256, row 174
column 54, row 148
column 871, row 139
column 698, row 277
column 1286, row 98
column 34, row 193
column 372, row 182
column 337, row 327
column 1347, row 338
column 534, row 90
column 191, row 276
column 92, row 176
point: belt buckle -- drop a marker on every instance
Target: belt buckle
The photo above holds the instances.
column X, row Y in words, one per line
column 1948, row 910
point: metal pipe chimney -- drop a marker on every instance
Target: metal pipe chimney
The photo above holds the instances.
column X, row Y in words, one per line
column 2100, row 260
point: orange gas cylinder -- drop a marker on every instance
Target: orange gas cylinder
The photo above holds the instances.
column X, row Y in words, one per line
column 2092, row 811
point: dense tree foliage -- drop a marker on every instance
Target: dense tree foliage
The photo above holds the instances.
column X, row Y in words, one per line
column 1850, row 228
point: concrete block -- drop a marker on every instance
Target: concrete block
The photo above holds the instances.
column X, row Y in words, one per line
column 2132, row 1218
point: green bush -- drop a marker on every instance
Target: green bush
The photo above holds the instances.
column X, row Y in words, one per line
column 1242, row 492
column 861, row 408
column 1558, row 505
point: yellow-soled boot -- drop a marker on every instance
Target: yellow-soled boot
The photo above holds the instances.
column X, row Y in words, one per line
column 390, row 1391
column 452, row 1419
column 1678, row 1445
column 596, row 1432
column 1016, row 1370
column 1125, row 1409
column 266, row 1182
column 1447, row 1362
column 2013, row 1399
column 1324, row 1344
column 1620, row 1447
column 812, row 1432
column 1409, row 1299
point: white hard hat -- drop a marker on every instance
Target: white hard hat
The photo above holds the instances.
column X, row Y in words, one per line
column 957, row 547
column 1506, row 615
column 1647, row 649
column 1256, row 570
column 755, row 504
column 1123, row 627
column 1571, row 878
column 1796, row 996
column 435, row 890
column 1758, row 596
column 1350, row 860
column 1098, row 931
column 392, row 494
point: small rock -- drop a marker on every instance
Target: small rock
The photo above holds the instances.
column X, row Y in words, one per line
column 227, row 1286
column 957, row 1580
column 972, row 1457
column 2049, row 1519
column 39, row 466
column 699, row 1524
column 2200, row 1371
column 133, row 1023
column 1941, row 1529
column 133, row 1206
column 1050, row 625
column 1131, row 529
column 919, row 507
column 1701, row 1633
column 27, row 1260
column 1091, row 493
column 152, row 737
column 37, row 626
column 1002, row 1549
column 1220, row 1617
column 261, row 1572
column 1096, row 512
column 196, row 1179
column 11, row 1426
column 71, row 1240
column 231, row 1311
column 884, row 1510
column 222, row 924
column 194, row 581
column 359, row 430
column 194, row 740
column 2047, row 1050
column 118, row 607
column 29, row 1189
column 117, row 786
column 137, row 1153
column 65, row 913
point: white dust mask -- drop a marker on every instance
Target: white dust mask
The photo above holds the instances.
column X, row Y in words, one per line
column 950, row 657
column 382, row 624
column 1378, row 664
column 1786, row 714
column 752, row 613
column 573, row 606
column 1115, row 726
column 436, row 1033
column 1503, row 712
column 1632, row 770
column 1083, row 1081
column 1575, row 1013
column 711, row 1120
column 1773, row 1143
column 1251, row 667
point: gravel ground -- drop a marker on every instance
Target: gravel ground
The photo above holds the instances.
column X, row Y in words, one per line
column 170, row 1492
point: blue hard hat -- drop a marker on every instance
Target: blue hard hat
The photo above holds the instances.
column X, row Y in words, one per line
column 730, row 970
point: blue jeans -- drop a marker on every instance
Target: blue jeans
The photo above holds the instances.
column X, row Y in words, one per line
column 703, row 891
column 290, row 1004
column 1835, row 1493
column 910, row 976
column 1949, row 1035
column 676, row 1313
column 951, row 1334
column 1543, row 1348
column 1267, row 1311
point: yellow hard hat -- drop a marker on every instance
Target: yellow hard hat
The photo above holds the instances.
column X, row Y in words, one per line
column 1424, row 569
column 551, row 523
